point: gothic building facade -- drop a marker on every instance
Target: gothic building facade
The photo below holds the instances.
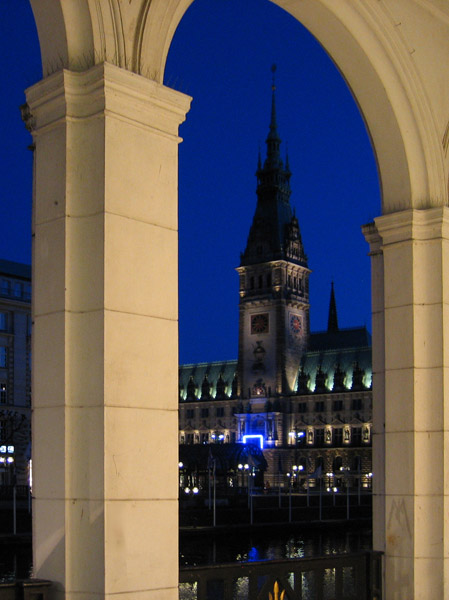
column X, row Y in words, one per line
column 304, row 398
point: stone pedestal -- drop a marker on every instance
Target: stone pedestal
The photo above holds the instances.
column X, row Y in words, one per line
column 105, row 333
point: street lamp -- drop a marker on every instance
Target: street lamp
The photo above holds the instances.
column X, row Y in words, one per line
column 181, row 473
column 7, row 459
column 249, row 473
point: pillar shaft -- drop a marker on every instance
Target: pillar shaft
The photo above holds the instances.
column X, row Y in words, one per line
column 415, row 247
column 105, row 356
column 378, row 366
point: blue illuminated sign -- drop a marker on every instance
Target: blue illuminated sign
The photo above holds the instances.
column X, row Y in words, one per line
column 247, row 438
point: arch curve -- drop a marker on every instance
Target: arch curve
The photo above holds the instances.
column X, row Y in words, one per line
column 365, row 40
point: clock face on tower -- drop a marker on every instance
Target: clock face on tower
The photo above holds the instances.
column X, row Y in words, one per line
column 295, row 324
column 259, row 323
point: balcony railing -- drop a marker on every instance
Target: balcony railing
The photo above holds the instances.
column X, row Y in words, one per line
column 344, row 577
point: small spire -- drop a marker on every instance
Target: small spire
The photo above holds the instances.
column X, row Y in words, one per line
column 273, row 139
column 332, row 322
column 273, row 124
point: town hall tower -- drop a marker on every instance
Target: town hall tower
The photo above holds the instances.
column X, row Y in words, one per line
column 274, row 283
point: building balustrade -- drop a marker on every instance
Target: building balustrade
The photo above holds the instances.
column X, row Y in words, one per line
column 345, row 577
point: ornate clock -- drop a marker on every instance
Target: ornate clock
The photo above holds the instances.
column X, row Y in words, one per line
column 295, row 324
column 259, row 323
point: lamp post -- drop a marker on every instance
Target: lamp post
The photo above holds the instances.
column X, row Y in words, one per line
column 7, row 459
column 249, row 474
column 296, row 469
column 181, row 473
column 290, row 478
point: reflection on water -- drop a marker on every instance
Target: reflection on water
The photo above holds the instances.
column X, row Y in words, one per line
column 231, row 546
column 15, row 561
column 270, row 544
column 277, row 544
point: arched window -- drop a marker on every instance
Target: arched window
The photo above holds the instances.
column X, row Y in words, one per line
column 337, row 464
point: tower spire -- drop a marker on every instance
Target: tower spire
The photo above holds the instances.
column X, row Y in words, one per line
column 332, row 321
column 274, row 233
column 273, row 140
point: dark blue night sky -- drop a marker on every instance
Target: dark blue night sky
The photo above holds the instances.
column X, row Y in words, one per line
column 221, row 55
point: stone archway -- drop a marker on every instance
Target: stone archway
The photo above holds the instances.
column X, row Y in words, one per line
column 97, row 233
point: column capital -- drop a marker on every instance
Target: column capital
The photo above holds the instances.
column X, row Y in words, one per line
column 108, row 89
column 373, row 238
column 428, row 224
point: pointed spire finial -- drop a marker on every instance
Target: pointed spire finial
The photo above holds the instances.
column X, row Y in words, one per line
column 332, row 322
column 273, row 140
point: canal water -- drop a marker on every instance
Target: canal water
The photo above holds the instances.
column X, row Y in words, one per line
column 271, row 543
column 232, row 545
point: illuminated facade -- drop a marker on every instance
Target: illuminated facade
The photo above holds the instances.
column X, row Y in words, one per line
column 305, row 398
column 15, row 371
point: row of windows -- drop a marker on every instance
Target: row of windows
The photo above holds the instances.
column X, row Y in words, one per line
column 338, row 436
column 204, row 412
column 260, row 282
column 7, row 322
column 302, row 407
column 337, row 405
column 295, row 282
column 15, row 289
column 207, row 438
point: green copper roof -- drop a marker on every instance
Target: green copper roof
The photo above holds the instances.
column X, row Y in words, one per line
column 342, row 352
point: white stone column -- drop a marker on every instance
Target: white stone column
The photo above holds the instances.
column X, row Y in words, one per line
column 378, row 365
column 415, row 248
column 105, row 355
